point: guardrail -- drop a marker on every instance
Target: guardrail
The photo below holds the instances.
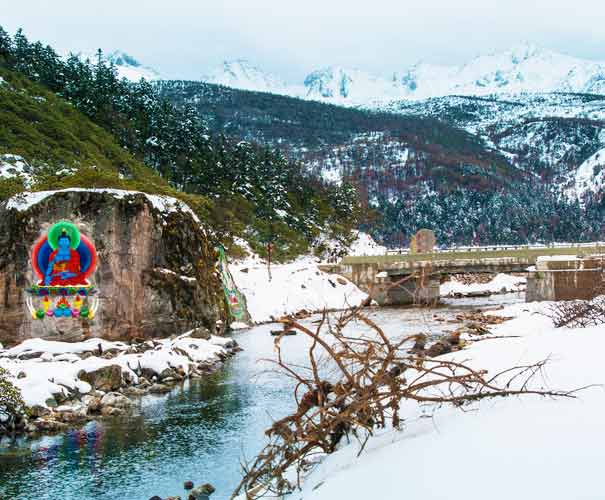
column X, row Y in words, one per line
column 530, row 252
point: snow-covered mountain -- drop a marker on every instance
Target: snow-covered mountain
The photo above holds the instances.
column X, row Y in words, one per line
column 523, row 69
column 128, row 67
column 241, row 74
column 526, row 68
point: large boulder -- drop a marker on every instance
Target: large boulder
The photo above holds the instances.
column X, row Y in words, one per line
column 107, row 378
column 156, row 266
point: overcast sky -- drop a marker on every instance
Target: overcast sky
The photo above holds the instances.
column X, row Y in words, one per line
column 186, row 38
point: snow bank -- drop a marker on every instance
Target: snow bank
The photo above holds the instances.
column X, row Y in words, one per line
column 56, row 365
column 293, row 287
column 502, row 283
column 530, row 447
column 365, row 245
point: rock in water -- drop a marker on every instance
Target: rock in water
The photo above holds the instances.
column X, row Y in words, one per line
column 143, row 243
column 202, row 492
column 107, row 378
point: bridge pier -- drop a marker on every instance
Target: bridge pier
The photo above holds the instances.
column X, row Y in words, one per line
column 394, row 287
column 567, row 278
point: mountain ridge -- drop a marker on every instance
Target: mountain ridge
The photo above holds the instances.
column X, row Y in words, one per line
column 521, row 69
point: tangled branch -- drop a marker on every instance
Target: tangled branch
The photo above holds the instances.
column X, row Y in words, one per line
column 354, row 385
column 580, row 313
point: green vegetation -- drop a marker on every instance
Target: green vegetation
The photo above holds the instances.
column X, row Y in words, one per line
column 76, row 123
column 10, row 396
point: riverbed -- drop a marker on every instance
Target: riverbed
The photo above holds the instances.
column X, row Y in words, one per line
column 198, row 432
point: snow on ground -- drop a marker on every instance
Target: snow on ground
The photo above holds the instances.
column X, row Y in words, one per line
column 164, row 204
column 54, row 366
column 502, row 283
column 526, row 447
column 293, row 287
column 15, row 166
column 365, row 245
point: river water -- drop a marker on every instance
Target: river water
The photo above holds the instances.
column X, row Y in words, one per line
column 198, row 432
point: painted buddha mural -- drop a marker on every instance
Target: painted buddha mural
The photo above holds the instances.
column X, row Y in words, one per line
column 63, row 260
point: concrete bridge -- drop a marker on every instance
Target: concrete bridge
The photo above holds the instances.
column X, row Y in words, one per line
column 409, row 278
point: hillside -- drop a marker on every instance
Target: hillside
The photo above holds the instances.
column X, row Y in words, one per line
column 441, row 163
column 242, row 189
column 45, row 143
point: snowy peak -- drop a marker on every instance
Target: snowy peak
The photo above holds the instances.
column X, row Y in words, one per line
column 131, row 69
column 340, row 85
column 523, row 68
column 242, row 74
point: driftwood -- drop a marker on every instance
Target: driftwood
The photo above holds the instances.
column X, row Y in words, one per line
column 353, row 385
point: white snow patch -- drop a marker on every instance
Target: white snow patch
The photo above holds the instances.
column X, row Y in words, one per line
column 502, row 283
column 293, row 287
column 15, row 166
column 164, row 204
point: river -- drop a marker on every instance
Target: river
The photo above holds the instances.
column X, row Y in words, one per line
column 198, row 432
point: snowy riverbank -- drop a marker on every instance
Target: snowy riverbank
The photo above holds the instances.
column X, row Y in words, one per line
column 516, row 447
column 65, row 382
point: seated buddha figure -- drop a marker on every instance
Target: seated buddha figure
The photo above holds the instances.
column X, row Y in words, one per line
column 64, row 265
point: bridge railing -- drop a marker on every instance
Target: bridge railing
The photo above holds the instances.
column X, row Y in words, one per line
column 471, row 253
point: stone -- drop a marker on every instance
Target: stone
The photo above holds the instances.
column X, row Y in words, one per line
column 423, row 241
column 159, row 389
column 200, row 333
column 116, row 400
column 47, row 424
column 136, row 242
column 51, row 403
column 133, row 392
column 110, row 411
column 106, row 378
column 168, row 373
column 38, row 411
column 202, row 492
column 93, row 403
column 438, row 348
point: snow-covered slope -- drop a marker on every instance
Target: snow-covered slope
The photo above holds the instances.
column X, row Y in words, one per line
column 590, row 176
column 522, row 69
column 343, row 86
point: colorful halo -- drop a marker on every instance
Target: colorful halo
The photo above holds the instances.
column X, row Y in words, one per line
column 63, row 226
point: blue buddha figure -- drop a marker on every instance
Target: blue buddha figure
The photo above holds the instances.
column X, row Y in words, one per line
column 64, row 264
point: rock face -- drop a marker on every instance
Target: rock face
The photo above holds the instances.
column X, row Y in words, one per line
column 155, row 271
